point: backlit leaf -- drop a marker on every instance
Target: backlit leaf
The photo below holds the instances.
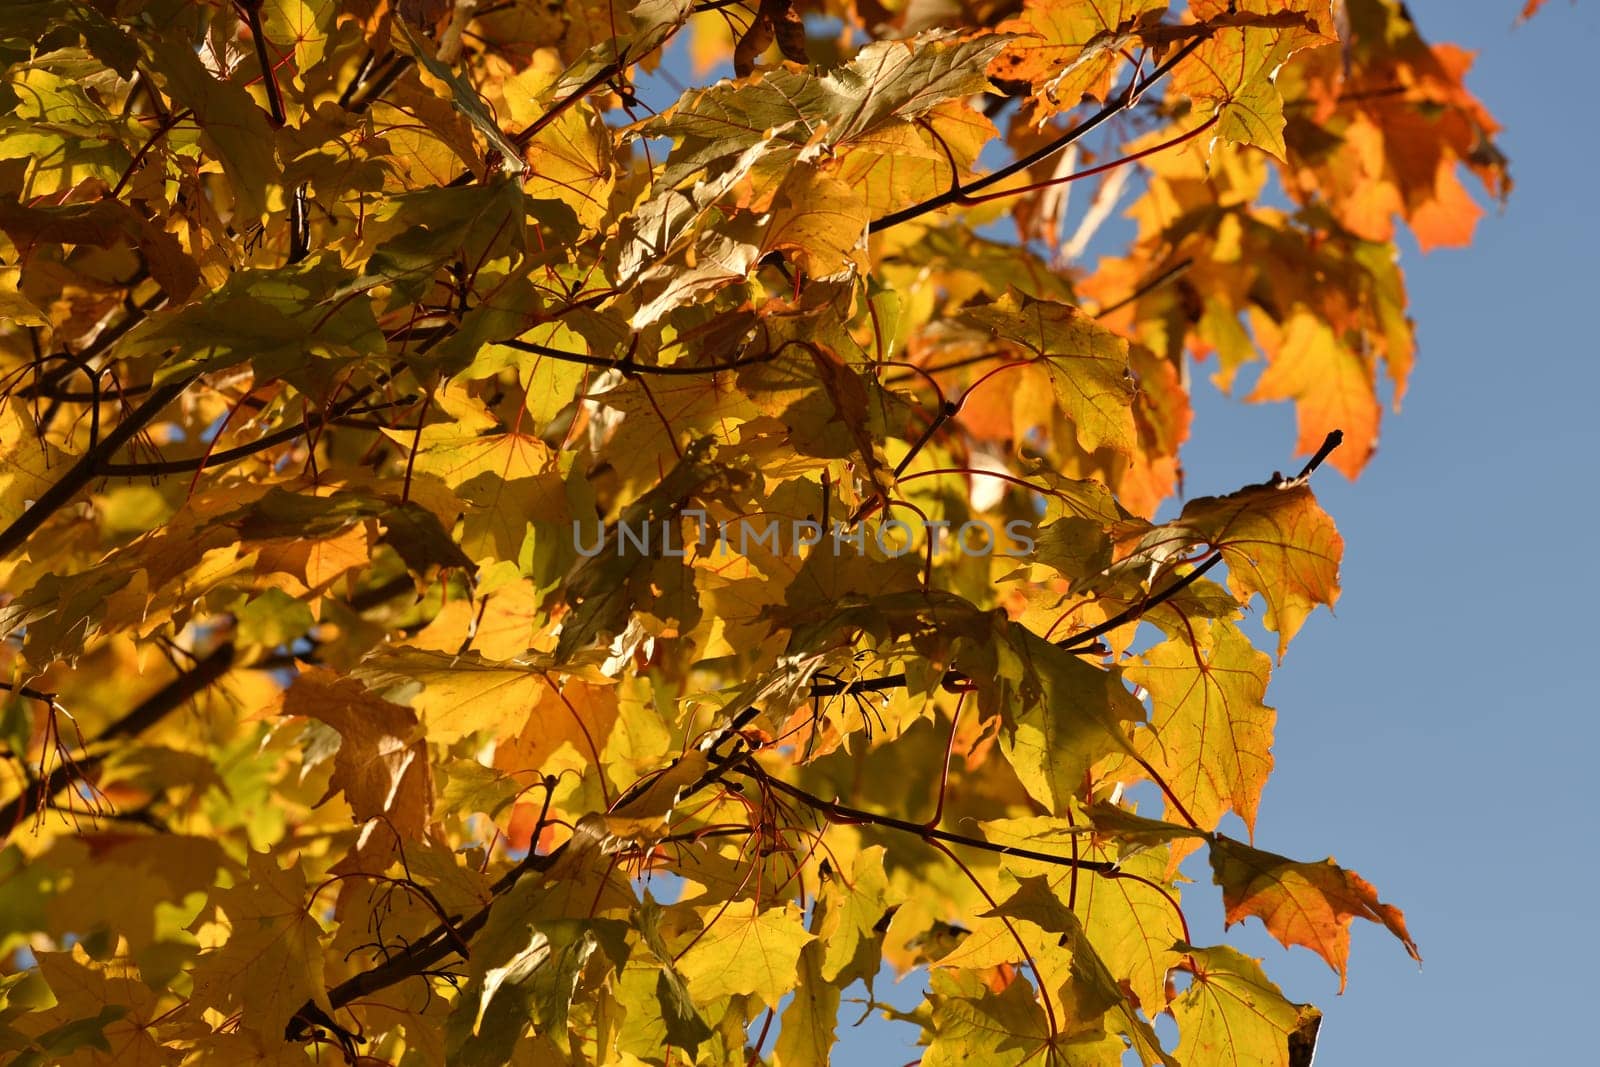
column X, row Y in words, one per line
column 1276, row 541
column 452, row 494
column 743, row 950
column 1233, row 1015
column 1210, row 735
column 268, row 959
column 1309, row 904
column 1087, row 365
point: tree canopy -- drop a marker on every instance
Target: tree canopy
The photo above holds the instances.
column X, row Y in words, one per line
column 510, row 559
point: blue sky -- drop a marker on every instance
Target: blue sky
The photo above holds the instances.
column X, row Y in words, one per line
column 1437, row 734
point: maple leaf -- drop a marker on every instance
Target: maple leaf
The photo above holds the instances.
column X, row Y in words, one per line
column 466, row 100
column 975, row 1025
column 457, row 695
column 1066, row 51
column 1232, row 70
column 886, row 80
column 280, row 320
column 105, row 224
column 1331, row 385
column 1309, row 904
column 602, row 585
column 567, row 732
column 807, row 1033
column 400, row 421
column 106, row 1010
column 820, row 220
column 1131, row 924
column 27, row 462
column 850, row 922
column 1087, row 364
column 1075, row 719
column 118, row 887
column 523, row 970
column 267, row 959
column 382, row 762
column 1210, row 735
column 743, row 949
column 1276, row 542
column 234, row 125
column 1231, row 1014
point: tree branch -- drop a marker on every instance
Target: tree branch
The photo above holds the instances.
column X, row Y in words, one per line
column 958, row 194
column 135, row 313
column 252, row 17
column 835, row 812
column 1136, row 611
column 1080, row 642
column 426, row 952
column 1146, row 288
column 1099, row 168
column 88, row 467
column 432, row 948
column 152, row 710
column 218, row 459
column 628, row 365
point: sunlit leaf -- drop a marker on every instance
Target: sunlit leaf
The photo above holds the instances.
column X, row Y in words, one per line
column 1309, row 904
column 454, row 497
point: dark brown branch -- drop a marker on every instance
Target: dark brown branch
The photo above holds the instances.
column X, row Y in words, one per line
column 958, row 194
column 357, row 79
column 142, row 816
column 525, row 135
column 1099, row 168
column 1082, row 642
column 833, row 811
column 628, row 365
column 269, row 77
column 135, row 314
column 198, row 677
column 101, row 396
column 1147, row 287
column 152, row 710
column 88, row 467
column 423, row 954
column 299, row 225
column 96, row 462
column 1077, row 643
column 218, row 459
column 1334, row 439
column 1138, row 610
column 371, row 92
column 28, row 692
column 163, row 127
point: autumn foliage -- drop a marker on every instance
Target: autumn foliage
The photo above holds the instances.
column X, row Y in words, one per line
column 343, row 346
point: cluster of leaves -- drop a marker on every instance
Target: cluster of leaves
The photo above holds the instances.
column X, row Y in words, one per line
column 333, row 330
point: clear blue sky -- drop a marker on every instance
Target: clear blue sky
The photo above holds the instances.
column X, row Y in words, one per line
column 1438, row 735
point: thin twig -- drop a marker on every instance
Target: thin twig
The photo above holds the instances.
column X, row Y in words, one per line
column 956, row 194
column 628, row 365
column 833, row 811
column 152, row 710
column 89, row 466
